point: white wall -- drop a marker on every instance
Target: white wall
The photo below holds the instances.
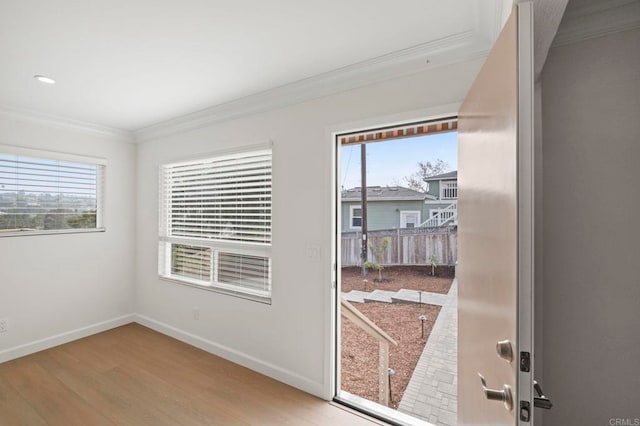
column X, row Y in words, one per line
column 591, row 299
column 287, row 340
column 53, row 284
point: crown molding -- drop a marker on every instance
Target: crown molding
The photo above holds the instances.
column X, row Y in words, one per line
column 598, row 19
column 51, row 120
column 469, row 45
column 460, row 47
column 463, row 46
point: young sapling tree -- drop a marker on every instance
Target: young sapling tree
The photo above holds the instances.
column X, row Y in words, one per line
column 433, row 262
column 378, row 251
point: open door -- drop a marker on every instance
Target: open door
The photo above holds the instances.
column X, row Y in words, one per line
column 495, row 266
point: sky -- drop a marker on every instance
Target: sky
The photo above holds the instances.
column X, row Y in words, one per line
column 390, row 161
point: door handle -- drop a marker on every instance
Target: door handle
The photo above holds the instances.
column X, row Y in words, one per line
column 504, row 395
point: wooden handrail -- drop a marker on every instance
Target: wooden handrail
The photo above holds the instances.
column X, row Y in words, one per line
column 359, row 319
column 384, row 340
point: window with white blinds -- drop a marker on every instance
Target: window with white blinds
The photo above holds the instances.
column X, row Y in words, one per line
column 215, row 222
column 42, row 192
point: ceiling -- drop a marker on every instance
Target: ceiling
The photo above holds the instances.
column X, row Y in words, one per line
column 130, row 64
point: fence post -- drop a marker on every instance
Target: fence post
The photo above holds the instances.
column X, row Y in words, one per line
column 398, row 245
column 445, row 249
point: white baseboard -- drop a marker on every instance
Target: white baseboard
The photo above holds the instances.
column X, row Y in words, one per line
column 278, row 373
column 62, row 338
column 255, row 364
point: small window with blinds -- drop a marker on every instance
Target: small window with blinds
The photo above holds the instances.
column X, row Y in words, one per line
column 215, row 223
column 191, row 261
column 45, row 192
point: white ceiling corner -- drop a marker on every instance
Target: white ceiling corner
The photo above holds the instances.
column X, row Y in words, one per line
column 547, row 15
column 145, row 68
column 586, row 19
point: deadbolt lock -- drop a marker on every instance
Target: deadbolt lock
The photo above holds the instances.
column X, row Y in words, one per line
column 505, row 350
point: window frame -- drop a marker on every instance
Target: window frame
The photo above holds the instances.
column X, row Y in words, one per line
column 403, row 218
column 41, row 154
column 351, row 217
column 451, row 185
column 245, row 248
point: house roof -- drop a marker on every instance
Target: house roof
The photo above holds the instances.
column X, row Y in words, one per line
column 444, row 176
column 381, row 193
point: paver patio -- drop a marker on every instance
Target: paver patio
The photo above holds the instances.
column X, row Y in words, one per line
column 432, row 393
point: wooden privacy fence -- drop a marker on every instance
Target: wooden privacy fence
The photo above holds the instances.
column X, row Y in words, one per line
column 408, row 246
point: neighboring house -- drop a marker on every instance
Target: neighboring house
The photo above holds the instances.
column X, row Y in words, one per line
column 391, row 207
column 441, row 202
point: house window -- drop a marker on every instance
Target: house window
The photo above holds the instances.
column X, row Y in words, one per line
column 46, row 192
column 355, row 217
column 409, row 218
column 215, row 223
column 449, row 190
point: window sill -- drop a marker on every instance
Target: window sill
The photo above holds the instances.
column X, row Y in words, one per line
column 217, row 289
column 50, row 232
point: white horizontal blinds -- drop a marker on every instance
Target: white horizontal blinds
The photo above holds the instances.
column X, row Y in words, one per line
column 44, row 194
column 191, row 262
column 215, row 222
column 249, row 272
column 224, row 198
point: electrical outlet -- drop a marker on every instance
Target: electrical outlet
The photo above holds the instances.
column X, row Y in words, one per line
column 4, row 325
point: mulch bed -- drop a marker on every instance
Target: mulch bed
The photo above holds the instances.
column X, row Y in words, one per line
column 398, row 277
column 360, row 351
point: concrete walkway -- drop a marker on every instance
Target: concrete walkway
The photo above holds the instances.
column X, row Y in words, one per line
column 432, row 393
column 401, row 296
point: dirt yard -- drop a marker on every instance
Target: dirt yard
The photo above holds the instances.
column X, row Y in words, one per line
column 360, row 351
column 397, row 277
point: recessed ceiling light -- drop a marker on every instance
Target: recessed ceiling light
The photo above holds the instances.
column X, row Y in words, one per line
column 44, row 79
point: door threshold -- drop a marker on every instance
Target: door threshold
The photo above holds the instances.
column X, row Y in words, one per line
column 377, row 411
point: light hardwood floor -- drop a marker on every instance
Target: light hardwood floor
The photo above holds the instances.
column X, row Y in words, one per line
column 135, row 376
